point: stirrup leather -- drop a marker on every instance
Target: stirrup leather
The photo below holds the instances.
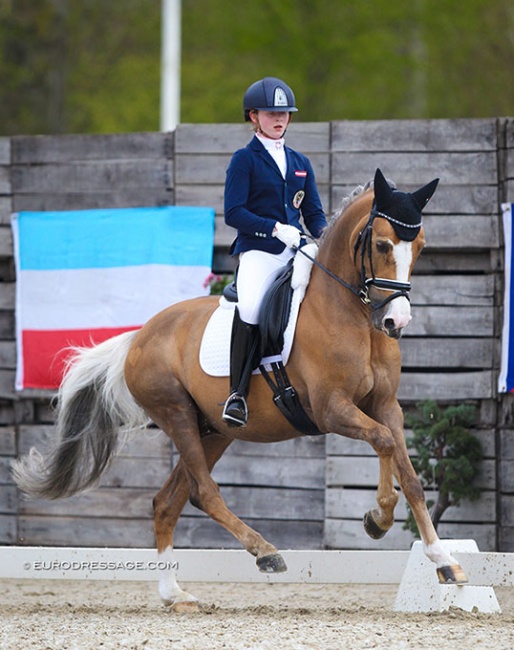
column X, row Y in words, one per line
column 235, row 412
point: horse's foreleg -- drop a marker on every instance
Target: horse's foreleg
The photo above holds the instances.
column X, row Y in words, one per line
column 448, row 569
column 168, row 505
column 380, row 519
column 399, row 465
column 348, row 420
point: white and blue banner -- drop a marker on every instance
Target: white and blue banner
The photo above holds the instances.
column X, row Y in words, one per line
column 506, row 378
column 84, row 276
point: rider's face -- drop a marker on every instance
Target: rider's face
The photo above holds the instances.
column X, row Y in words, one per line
column 272, row 124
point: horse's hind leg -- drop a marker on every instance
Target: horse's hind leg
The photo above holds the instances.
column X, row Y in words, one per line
column 181, row 422
column 168, row 505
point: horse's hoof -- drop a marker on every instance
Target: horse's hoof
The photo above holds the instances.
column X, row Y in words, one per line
column 271, row 564
column 186, row 607
column 372, row 528
column 451, row 575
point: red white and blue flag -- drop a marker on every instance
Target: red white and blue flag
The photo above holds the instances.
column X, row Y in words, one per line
column 506, row 377
column 85, row 276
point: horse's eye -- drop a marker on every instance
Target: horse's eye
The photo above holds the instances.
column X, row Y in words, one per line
column 383, row 246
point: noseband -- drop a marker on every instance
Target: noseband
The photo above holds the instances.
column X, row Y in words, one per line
column 398, row 289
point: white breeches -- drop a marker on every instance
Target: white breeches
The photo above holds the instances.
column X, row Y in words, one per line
column 257, row 270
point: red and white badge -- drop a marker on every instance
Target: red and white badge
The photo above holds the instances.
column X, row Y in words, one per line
column 301, row 173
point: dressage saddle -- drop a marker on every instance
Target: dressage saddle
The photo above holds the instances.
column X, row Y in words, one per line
column 273, row 320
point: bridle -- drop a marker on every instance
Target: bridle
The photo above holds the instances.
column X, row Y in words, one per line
column 398, row 289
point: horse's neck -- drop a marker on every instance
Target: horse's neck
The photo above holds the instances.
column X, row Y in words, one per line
column 331, row 300
column 332, row 304
column 338, row 251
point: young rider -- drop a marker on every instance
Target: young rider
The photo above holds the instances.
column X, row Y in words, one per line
column 268, row 187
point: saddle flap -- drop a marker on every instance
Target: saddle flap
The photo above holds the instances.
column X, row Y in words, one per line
column 275, row 311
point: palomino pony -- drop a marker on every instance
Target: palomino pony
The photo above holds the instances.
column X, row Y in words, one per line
column 344, row 365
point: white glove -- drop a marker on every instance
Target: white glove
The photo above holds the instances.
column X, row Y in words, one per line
column 289, row 235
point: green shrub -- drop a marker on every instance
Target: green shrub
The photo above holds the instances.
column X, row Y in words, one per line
column 447, row 456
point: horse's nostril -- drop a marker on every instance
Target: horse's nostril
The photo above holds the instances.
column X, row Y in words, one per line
column 389, row 324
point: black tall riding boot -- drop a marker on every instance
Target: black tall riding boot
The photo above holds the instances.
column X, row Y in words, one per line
column 244, row 350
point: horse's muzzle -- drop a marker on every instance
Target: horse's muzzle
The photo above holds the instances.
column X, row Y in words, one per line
column 393, row 317
column 391, row 330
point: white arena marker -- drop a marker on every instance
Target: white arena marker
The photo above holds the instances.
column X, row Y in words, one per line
column 420, row 590
column 194, row 565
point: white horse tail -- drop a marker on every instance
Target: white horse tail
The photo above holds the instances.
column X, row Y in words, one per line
column 93, row 402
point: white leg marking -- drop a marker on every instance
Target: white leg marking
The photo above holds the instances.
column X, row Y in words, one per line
column 438, row 555
column 169, row 591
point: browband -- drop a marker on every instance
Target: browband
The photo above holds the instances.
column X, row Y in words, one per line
column 377, row 213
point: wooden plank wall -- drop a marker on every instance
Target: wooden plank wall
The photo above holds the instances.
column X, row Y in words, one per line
column 308, row 493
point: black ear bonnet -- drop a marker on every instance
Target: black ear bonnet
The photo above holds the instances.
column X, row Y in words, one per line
column 401, row 209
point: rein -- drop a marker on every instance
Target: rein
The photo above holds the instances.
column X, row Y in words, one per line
column 397, row 288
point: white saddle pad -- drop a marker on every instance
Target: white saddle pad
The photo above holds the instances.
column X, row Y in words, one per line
column 215, row 346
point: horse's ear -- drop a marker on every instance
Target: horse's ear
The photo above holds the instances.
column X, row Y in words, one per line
column 424, row 194
column 383, row 190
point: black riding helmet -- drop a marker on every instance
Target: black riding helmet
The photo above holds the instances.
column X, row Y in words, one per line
column 268, row 94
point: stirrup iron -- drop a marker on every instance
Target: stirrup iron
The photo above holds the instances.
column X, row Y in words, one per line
column 239, row 417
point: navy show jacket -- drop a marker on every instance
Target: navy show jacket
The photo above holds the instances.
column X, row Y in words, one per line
column 257, row 195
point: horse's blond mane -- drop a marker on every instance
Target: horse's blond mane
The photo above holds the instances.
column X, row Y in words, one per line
column 350, row 198
column 346, row 201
